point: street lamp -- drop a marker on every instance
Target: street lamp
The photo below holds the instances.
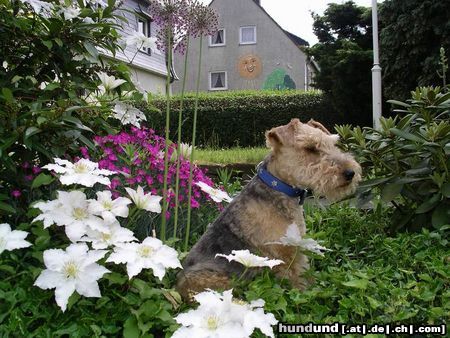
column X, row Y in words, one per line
column 376, row 70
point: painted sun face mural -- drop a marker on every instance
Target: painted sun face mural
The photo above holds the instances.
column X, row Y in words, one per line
column 249, row 66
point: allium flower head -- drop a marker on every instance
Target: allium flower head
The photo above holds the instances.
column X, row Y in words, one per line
column 250, row 260
column 171, row 17
column 82, row 172
column 10, row 240
column 203, row 20
column 150, row 254
column 73, row 269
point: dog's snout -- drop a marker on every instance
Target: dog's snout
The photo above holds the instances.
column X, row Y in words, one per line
column 349, row 174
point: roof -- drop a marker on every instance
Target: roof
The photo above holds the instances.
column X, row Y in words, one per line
column 298, row 41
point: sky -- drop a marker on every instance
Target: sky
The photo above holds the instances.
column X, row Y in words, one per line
column 295, row 15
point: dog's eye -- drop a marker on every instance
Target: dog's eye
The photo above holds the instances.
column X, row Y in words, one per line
column 312, row 149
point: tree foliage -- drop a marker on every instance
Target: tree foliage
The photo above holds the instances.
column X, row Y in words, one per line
column 344, row 55
column 412, row 34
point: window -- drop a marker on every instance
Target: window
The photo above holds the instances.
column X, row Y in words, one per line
column 247, row 35
column 218, row 81
column 217, row 39
column 143, row 26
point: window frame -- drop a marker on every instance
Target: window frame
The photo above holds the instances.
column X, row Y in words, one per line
column 147, row 27
column 240, row 35
column 211, row 44
column 225, row 87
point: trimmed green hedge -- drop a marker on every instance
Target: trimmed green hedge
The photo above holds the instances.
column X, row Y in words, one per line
column 240, row 118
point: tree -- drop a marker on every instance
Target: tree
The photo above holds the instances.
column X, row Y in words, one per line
column 413, row 32
column 344, row 54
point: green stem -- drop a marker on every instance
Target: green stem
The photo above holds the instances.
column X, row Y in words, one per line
column 191, row 164
column 180, row 120
column 166, row 150
column 290, row 264
column 242, row 275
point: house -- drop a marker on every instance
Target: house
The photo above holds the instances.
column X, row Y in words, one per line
column 249, row 51
column 148, row 66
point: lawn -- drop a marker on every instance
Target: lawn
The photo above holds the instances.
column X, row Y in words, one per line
column 233, row 155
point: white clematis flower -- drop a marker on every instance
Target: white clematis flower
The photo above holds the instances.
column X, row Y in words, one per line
column 127, row 114
column 71, row 210
column 39, row 6
column 72, row 270
column 70, row 13
column 5, row 65
column 10, row 240
column 108, row 82
column 83, row 172
column 108, row 208
column 139, row 40
column 218, row 315
column 216, row 194
column 144, row 201
column 116, row 236
column 292, row 237
column 150, row 254
column 250, row 260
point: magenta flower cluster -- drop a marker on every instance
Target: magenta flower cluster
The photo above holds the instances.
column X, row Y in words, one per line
column 139, row 156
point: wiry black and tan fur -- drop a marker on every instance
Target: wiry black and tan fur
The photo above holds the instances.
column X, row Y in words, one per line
column 302, row 155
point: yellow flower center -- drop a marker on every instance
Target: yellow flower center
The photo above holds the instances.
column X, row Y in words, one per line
column 239, row 302
column 145, row 251
column 212, row 323
column 79, row 213
column 70, row 270
column 80, row 168
column 105, row 236
column 107, row 205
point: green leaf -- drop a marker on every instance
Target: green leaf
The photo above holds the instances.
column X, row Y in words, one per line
column 7, row 95
column 446, row 189
column 31, row 131
column 91, row 49
column 428, row 205
column 7, row 208
column 390, row 191
column 48, row 44
column 374, row 304
column 130, row 328
column 357, row 283
column 399, row 103
column 441, row 215
column 42, row 179
column 406, row 135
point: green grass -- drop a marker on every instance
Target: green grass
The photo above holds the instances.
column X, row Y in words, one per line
column 230, row 156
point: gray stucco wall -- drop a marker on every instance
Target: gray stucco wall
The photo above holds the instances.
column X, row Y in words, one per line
column 277, row 52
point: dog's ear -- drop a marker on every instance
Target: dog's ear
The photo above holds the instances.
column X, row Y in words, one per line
column 318, row 125
column 283, row 135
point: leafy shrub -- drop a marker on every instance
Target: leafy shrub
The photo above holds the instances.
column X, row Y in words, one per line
column 240, row 118
column 50, row 66
column 408, row 159
column 368, row 277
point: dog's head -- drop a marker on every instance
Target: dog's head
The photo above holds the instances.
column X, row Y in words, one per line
column 305, row 155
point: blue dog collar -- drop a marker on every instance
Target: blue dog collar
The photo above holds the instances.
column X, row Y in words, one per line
column 278, row 185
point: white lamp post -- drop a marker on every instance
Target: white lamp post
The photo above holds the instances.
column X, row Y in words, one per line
column 376, row 70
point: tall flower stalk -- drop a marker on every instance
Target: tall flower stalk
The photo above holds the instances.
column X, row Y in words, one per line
column 204, row 23
column 170, row 16
column 166, row 149
column 180, row 121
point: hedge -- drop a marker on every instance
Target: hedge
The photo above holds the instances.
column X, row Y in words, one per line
column 240, row 118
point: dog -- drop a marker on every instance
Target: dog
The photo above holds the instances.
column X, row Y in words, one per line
column 303, row 156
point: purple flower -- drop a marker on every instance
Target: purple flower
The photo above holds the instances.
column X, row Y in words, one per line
column 16, row 193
